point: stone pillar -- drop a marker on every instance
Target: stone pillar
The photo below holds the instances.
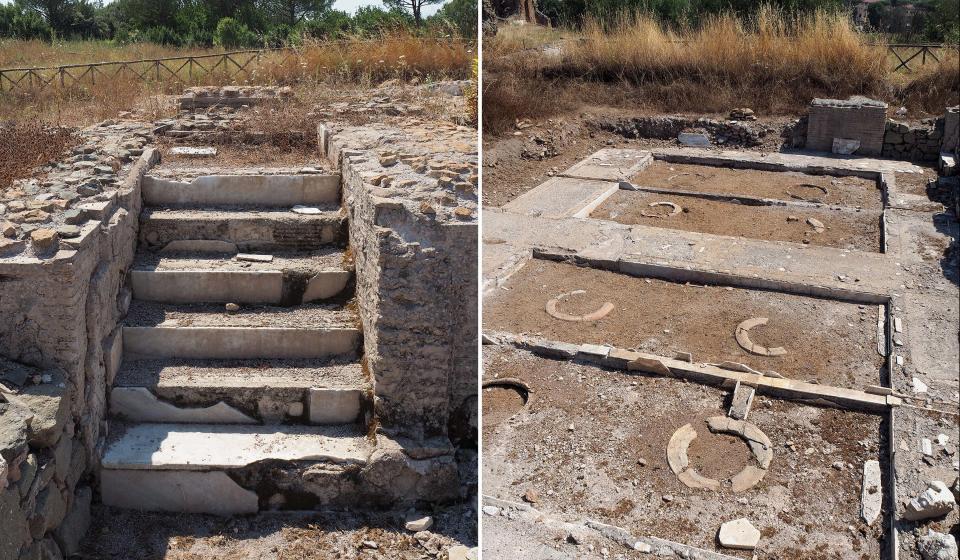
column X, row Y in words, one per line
column 951, row 130
column 856, row 118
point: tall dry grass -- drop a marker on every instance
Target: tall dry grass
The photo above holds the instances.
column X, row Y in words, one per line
column 766, row 62
column 357, row 61
column 774, row 63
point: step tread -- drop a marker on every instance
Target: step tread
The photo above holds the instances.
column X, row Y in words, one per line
column 186, row 171
column 245, row 374
column 315, row 261
column 327, row 212
column 307, row 316
column 204, row 447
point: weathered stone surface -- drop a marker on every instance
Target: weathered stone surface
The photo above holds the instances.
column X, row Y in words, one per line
column 417, row 524
column 871, row 493
column 139, row 404
column 333, row 405
column 934, row 501
column 48, row 406
column 741, row 401
column 49, row 512
column 69, row 534
column 44, row 239
column 694, row 139
column 739, row 534
column 178, row 491
column 15, row 532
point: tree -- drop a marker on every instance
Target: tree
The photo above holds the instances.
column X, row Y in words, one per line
column 292, row 12
column 414, row 7
column 231, row 34
column 462, row 14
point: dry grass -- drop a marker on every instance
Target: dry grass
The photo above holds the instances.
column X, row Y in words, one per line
column 362, row 62
column 25, row 146
column 771, row 63
column 22, row 54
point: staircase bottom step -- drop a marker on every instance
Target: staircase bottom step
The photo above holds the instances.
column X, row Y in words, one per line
column 230, row 470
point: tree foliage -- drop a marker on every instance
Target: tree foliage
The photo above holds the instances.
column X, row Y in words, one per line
column 227, row 23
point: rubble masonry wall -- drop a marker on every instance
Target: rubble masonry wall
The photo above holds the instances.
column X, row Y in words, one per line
column 58, row 321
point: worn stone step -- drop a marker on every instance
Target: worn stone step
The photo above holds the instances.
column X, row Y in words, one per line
column 208, row 331
column 287, row 279
column 249, row 230
column 230, row 469
column 241, row 189
column 241, row 391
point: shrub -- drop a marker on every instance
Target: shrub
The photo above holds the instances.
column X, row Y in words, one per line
column 162, row 36
column 231, row 34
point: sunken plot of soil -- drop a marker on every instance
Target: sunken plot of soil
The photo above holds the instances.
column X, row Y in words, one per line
column 593, row 445
column 854, row 192
column 859, row 230
column 831, row 342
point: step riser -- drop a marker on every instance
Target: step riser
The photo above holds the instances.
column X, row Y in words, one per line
column 272, row 287
column 244, row 190
column 249, row 234
column 234, row 403
column 237, row 343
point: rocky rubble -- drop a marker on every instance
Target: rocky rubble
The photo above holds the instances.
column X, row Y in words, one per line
column 729, row 133
column 39, row 214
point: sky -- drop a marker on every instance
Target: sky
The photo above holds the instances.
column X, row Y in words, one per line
column 348, row 6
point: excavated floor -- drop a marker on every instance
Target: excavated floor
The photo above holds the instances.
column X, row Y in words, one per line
column 853, row 192
column 591, row 444
column 829, row 342
column 857, row 230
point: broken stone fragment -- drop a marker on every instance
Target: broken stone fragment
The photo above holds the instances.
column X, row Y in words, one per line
column 739, row 534
column 935, row 501
column 68, row 232
column 463, row 213
column 937, row 546
column 8, row 229
column 44, row 239
column 10, row 247
column 417, row 524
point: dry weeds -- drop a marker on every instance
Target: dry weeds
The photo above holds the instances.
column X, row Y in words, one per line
column 28, row 145
column 363, row 62
column 772, row 63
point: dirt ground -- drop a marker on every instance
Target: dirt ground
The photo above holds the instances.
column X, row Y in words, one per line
column 127, row 535
column 591, row 443
column 853, row 192
column 514, row 164
column 859, row 230
column 827, row 341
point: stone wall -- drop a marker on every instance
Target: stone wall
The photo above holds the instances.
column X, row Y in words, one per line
column 411, row 195
column 729, row 133
column 913, row 143
column 59, row 308
column 856, row 118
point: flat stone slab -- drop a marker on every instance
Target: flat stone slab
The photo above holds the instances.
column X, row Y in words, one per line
column 610, row 165
column 191, row 151
column 177, row 491
column 140, row 405
column 205, row 447
column 259, row 190
column 776, row 161
column 563, row 197
column 238, row 342
column 871, row 493
column 739, row 534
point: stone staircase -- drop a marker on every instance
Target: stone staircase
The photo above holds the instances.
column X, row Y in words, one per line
column 241, row 387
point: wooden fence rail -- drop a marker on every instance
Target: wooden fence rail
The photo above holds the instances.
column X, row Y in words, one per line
column 912, row 51
column 188, row 70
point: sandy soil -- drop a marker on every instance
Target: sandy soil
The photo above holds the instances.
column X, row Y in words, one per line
column 914, row 183
column 244, row 156
column 853, row 192
column 828, row 341
column 126, row 535
column 592, row 442
column 844, row 230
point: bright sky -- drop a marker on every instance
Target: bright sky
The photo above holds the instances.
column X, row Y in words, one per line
column 348, row 6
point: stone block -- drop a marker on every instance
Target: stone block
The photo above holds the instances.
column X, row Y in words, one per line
column 934, row 501
column 334, row 406
column 856, row 118
column 176, row 491
column 871, row 493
